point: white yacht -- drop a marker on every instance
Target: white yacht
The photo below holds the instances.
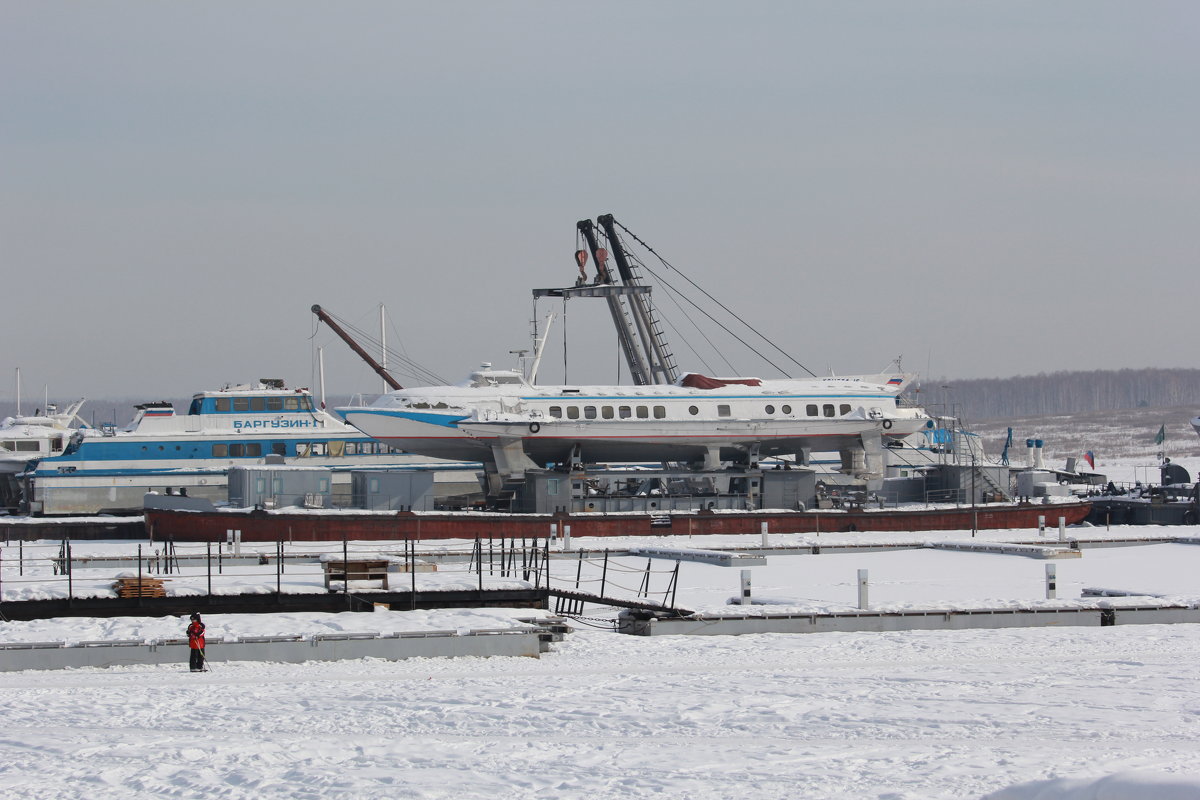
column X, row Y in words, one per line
column 26, row 438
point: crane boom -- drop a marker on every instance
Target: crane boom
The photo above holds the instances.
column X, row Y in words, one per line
column 363, row 354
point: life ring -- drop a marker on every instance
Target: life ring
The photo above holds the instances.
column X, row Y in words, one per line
column 887, row 424
column 534, row 427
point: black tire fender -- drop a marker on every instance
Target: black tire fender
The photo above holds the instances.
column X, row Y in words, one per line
column 534, row 427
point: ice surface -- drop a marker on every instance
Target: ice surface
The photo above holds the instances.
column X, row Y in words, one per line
column 1012, row 714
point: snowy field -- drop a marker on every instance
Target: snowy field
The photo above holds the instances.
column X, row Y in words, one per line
column 1099, row 713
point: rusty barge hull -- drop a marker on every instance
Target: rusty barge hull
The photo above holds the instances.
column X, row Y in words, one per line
column 298, row 526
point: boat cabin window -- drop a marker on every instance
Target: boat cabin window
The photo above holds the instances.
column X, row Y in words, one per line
column 606, row 412
column 572, row 412
column 221, row 404
column 624, row 412
column 787, row 409
column 770, row 409
column 274, row 404
column 258, row 404
column 643, row 412
column 303, row 449
column 811, row 410
column 589, row 412
column 241, row 404
column 693, row 410
column 279, row 448
column 249, row 450
column 827, row 409
column 319, row 449
column 194, row 408
column 723, row 411
column 660, row 412
column 556, row 412
column 844, row 408
column 220, row 450
column 291, row 403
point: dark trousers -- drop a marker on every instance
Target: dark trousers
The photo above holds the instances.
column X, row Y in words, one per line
column 197, row 662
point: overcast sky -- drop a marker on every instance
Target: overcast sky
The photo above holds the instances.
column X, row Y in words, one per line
column 986, row 188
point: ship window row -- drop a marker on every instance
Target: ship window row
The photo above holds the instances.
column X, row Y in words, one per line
column 24, row 445
column 335, row 449
column 239, row 450
column 827, row 410
column 297, row 403
column 609, row 412
column 660, row 412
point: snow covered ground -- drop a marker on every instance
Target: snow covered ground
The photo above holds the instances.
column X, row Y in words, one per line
column 1014, row 714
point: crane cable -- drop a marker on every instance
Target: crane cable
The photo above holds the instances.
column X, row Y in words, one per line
column 721, row 305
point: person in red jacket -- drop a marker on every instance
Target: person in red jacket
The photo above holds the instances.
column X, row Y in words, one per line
column 195, row 634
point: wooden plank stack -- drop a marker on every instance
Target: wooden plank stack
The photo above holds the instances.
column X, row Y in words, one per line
column 140, row 587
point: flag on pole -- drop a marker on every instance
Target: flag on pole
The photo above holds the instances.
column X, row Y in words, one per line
column 1161, row 436
column 1090, row 457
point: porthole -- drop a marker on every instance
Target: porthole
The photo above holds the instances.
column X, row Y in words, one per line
column 693, row 410
column 770, row 409
column 786, row 409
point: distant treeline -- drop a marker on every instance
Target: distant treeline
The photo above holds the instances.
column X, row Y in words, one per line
column 1065, row 392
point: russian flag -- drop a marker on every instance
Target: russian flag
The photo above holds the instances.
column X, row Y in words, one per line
column 1090, row 458
column 895, row 381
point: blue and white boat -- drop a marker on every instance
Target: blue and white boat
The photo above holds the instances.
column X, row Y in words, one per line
column 109, row 469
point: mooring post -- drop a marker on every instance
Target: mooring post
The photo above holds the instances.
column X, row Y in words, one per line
column 71, row 576
column 1062, row 529
column 412, row 571
column 863, row 604
column 566, row 537
column 1051, row 582
column 764, row 534
column 1041, row 524
column 553, row 533
column 745, row 598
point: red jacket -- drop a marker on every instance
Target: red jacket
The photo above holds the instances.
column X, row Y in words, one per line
column 195, row 634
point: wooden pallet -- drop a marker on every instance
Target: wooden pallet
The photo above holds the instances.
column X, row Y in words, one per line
column 146, row 587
